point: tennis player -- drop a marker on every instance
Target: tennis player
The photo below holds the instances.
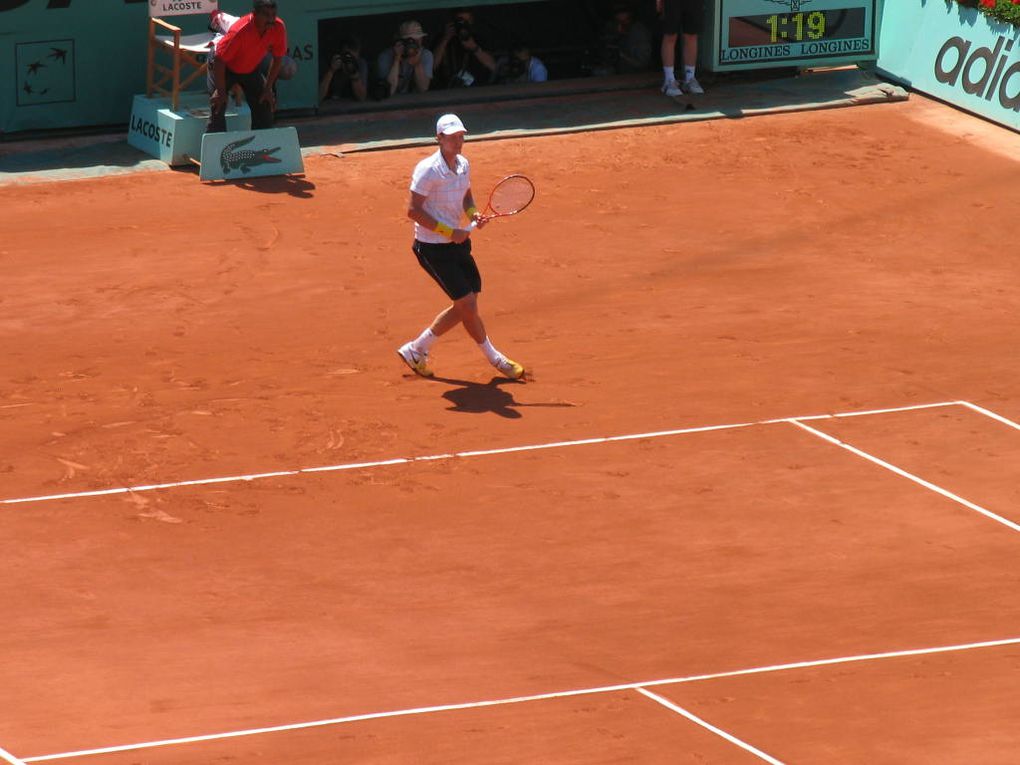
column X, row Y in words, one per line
column 440, row 197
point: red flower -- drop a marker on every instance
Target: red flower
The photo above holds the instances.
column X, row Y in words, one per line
column 988, row 3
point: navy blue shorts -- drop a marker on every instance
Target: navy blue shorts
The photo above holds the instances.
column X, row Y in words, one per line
column 451, row 265
column 681, row 16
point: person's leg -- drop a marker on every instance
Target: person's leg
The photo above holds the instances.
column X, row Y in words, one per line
column 690, row 26
column 446, row 320
column 668, row 53
column 670, row 30
column 217, row 115
column 467, row 309
column 690, row 51
column 261, row 111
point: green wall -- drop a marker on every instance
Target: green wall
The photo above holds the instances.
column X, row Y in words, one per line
column 77, row 63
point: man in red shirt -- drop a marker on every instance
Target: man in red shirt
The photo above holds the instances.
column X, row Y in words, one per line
column 235, row 60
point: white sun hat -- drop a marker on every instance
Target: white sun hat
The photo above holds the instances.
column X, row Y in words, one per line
column 449, row 124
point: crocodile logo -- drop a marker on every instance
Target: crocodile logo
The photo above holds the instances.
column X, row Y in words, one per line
column 233, row 157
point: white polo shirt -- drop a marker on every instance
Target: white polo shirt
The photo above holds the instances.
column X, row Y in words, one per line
column 444, row 192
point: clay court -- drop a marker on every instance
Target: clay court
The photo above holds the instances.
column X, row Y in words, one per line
column 758, row 501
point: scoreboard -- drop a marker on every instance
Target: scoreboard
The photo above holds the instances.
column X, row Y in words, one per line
column 755, row 34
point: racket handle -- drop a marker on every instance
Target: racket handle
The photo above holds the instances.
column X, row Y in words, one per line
column 472, row 225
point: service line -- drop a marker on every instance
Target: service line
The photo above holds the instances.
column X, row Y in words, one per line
column 455, row 455
column 535, row 697
column 9, row 758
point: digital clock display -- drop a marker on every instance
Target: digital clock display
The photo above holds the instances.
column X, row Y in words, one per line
column 839, row 24
column 749, row 34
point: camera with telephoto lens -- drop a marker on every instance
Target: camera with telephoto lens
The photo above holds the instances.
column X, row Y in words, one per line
column 515, row 68
column 411, row 46
column 349, row 62
column 462, row 28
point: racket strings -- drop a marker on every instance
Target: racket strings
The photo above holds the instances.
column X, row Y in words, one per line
column 511, row 195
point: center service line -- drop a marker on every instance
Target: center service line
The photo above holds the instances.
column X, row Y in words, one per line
column 909, row 476
column 708, row 726
column 434, row 457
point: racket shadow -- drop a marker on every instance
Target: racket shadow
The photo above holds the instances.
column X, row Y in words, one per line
column 486, row 398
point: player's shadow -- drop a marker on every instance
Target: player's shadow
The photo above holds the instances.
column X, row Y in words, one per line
column 483, row 398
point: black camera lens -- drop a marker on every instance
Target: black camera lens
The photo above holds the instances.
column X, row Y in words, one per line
column 349, row 61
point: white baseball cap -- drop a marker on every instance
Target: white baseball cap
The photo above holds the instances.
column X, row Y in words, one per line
column 449, row 124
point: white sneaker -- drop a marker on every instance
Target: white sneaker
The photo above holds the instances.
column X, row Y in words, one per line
column 671, row 88
column 509, row 367
column 693, row 87
column 419, row 362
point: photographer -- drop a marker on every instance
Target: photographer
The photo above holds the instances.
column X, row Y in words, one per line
column 347, row 75
column 626, row 43
column 461, row 60
column 520, row 66
column 407, row 66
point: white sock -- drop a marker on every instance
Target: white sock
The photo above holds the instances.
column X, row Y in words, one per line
column 490, row 353
column 423, row 343
column 688, row 73
column 668, row 74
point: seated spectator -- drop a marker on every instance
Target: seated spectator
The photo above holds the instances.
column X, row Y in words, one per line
column 520, row 66
column 626, row 43
column 407, row 66
column 461, row 59
column 347, row 74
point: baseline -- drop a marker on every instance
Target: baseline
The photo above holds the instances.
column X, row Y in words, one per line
column 455, row 455
column 10, row 758
column 522, row 699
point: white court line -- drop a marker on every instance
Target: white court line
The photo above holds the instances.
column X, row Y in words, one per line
column 433, row 457
column 708, row 726
column 10, row 758
column 522, row 699
column 909, row 476
column 989, row 413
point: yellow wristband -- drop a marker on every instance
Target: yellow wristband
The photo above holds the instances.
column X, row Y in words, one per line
column 471, row 212
column 442, row 228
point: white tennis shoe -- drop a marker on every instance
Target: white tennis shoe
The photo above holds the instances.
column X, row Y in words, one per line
column 419, row 362
column 693, row 87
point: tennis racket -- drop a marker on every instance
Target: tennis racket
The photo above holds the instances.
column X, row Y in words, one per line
column 509, row 197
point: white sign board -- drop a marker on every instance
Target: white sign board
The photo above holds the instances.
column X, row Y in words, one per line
column 161, row 8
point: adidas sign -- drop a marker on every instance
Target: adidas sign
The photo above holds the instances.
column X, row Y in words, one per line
column 981, row 72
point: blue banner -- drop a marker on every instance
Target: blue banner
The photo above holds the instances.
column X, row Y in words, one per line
column 956, row 54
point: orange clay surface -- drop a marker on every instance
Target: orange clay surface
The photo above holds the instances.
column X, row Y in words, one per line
column 157, row 330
